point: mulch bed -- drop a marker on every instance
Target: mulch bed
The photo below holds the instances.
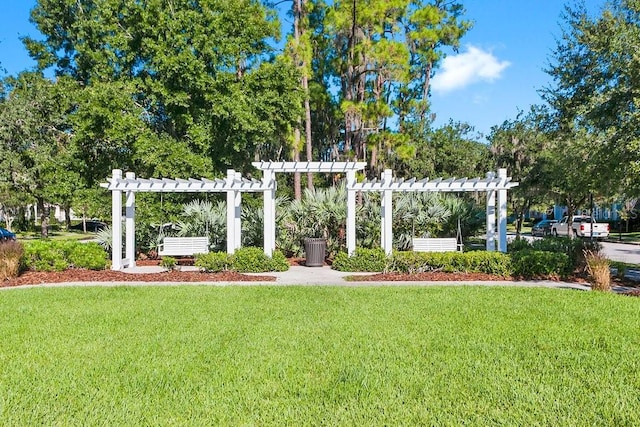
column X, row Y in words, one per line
column 81, row 275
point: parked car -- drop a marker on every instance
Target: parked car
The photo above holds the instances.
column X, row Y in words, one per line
column 6, row 235
column 543, row 228
column 92, row 226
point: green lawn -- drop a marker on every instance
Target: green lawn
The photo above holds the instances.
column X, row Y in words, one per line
column 195, row 355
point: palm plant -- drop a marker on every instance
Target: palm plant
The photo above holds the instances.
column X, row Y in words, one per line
column 418, row 215
column 204, row 218
column 320, row 213
column 368, row 217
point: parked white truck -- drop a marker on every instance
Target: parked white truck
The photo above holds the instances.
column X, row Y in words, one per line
column 582, row 225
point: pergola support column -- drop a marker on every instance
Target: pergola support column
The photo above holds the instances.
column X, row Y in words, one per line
column 237, row 214
column 491, row 216
column 502, row 213
column 116, row 224
column 231, row 202
column 351, row 212
column 130, row 226
column 269, row 216
column 386, row 226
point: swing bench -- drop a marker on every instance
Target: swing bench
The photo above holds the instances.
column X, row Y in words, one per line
column 184, row 246
column 435, row 244
column 439, row 244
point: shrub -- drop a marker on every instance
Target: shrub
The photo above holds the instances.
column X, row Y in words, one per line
column 11, row 253
column 50, row 255
column 466, row 262
column 371, row 260
column 213, row 262
column 278, row 262
column 518, row 245
column 573, row 248
column 86, row 255
column 168, row 262
column 44, row 255
column 530, row 263
column 254, row 260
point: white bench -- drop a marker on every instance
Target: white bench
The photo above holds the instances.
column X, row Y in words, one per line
column 183, row 246
column 435, row 244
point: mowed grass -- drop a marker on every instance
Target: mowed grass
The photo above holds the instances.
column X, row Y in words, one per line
column 318, row 355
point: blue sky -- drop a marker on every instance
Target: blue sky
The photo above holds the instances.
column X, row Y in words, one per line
column 497, row 71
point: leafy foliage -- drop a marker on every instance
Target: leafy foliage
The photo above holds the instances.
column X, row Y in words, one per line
column 362, row 260
column 169, row 263
column 529, row 263
column 254, row 260
column 213, row 262
column 52, row 255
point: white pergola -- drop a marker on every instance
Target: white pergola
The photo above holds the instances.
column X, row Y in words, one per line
column 233, row 185
column 495, row 185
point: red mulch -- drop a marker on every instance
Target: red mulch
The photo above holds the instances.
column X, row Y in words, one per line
column 80, row 275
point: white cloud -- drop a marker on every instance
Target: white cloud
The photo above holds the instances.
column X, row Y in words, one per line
column 470, row 67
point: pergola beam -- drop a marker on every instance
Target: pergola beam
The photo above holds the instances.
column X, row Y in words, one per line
column 326, row 167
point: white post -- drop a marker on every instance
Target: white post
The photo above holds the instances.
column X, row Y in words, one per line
column 231, row 239
column 386, row 226
column 237, row 214
column 351, row 212
column 116, row 223
column 502, row 211
column 130, row 226
column 491, row 216
column 269, row 217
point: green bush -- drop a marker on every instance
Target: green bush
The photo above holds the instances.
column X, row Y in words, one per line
column 245, row 260
column 278, row 262
column 52, row 255
column 573, row 248
column 530, row 264
column 371, row 260
column 518, row 245
column 213, row 262
column 468, row 262
column 86, row 255
column 254, row 260
column 168, row 262
column 44, row 255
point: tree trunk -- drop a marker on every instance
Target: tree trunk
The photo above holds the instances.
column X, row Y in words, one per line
column 44, row 218
column 67, row 216
column 297, row 184
column 307, row 130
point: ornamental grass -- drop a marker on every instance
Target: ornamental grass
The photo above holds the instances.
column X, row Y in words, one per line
column 598, row 269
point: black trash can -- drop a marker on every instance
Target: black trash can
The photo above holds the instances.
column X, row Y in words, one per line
column 315, row 250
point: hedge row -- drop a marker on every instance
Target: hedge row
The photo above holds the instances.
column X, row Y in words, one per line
column 244, row 260
column 546, row 258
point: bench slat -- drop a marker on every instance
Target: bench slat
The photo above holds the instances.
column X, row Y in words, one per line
column 435, row 244
column 184, row 246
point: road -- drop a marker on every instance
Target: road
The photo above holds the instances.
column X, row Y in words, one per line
column 624, row 252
